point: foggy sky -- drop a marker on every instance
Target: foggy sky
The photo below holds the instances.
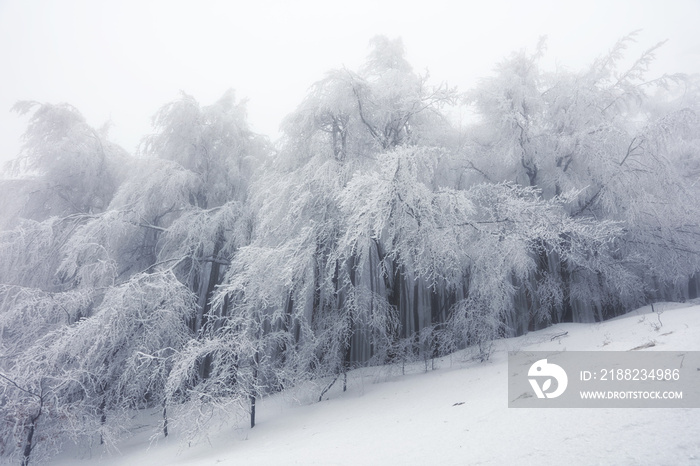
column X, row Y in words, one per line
column 120, row 60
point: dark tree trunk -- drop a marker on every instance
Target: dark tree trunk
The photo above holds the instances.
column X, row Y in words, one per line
column 103, row 420
column 693, row 286
column 252, row 392
column 28, row 445
column 568, row 310
column 252, row 411
column 416, row 310
column 165, row 419
column 206, row 291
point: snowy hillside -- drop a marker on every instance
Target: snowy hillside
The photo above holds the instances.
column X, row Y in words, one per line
column 454, row 414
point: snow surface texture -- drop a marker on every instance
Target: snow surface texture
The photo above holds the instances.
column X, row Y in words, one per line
column 455, row 414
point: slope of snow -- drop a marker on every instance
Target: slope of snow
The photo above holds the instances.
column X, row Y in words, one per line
column 455, row 414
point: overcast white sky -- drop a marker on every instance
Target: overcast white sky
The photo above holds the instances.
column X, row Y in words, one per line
column 120, row 60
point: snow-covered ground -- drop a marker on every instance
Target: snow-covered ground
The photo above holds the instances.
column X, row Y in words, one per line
column 455, row 414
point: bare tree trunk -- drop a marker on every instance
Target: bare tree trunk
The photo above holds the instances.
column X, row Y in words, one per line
column 28, row 446
column 206, row 290
column 328, row 388
column 103, row 420
column 252, row 392
column 165, row 419
column 252, row 411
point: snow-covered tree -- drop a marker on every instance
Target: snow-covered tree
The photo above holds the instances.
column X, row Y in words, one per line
column 117, row 276
column 593, row 132
column 214, row 147
column 65, row 166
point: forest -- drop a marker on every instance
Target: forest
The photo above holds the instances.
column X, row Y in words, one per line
column 215, row 267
